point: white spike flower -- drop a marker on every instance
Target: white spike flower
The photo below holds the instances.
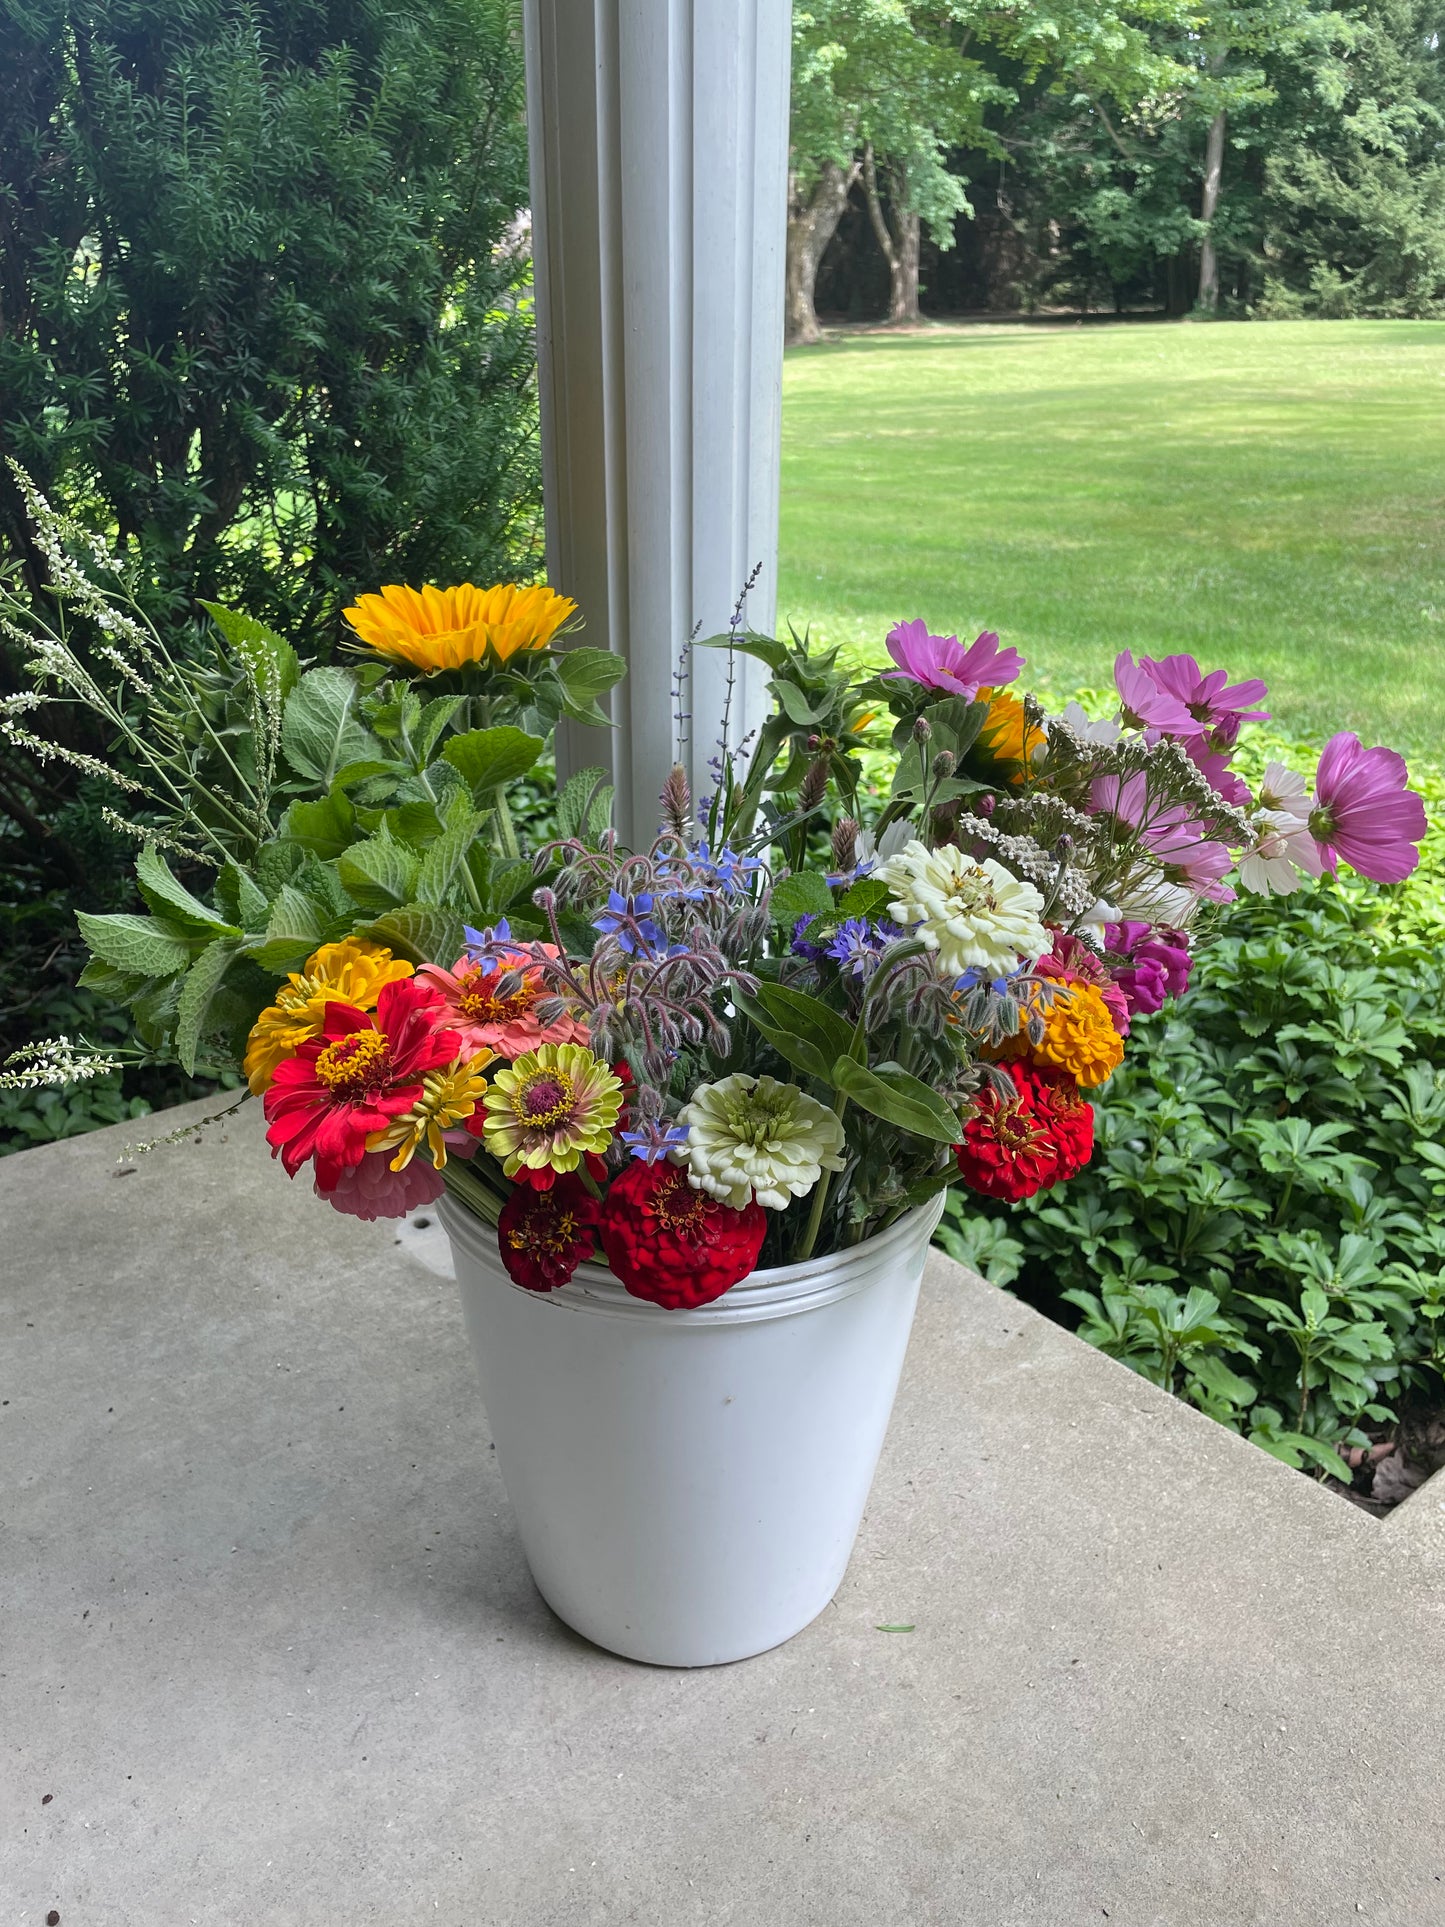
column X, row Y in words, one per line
column 976, row 916
column 754, row 1138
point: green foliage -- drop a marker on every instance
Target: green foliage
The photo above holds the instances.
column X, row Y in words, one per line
column 1259, row 1230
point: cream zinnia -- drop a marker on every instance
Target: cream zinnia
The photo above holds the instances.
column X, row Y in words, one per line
column 752, row 1138
column 976, row 916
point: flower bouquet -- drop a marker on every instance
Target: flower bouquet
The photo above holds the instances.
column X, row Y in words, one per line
column 896, row 946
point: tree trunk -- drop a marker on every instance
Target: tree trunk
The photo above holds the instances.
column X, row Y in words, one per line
column 900, row 251
column 810, row 229
column 1208, row 259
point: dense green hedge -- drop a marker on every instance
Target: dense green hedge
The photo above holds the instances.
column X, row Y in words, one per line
column 1261, row 1228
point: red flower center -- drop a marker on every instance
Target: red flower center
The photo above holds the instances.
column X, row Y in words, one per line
column 482, row 1005
column 356, row 1066
column 544, row 1100
column 677, row 1207
column 544, row 1234
column 1015, row 1132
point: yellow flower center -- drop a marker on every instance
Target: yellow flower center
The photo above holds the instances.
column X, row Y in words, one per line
column 482, row 1004
column 1013, row 1130
column 354, row 1066
column 546, row 1235
column 543, row 1099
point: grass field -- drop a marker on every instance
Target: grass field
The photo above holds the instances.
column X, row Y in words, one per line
column 1270, row 497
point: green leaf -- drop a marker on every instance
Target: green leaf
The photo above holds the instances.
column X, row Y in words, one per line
column 168, row 898
column 379, row 872
column 488, row 757
column 421, row 931
column 296, row 926
column 148, row 946
column 121, row 985
column 799, row 1028
column 203, row 980
column 586, row 674
column 805, row 894
column 447, row 856
column 891, row 1093
column 584, row 808
column 765, row 648
column 260, row 648
column 865, row 898
column 895, row 1629
column 433, row 720
column 324, row 827
column 795, row 705
column 321, row 732
column 241, row 896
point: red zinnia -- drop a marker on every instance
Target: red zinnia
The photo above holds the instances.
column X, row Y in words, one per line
column 361, row 1072
column 1012, row 1146
column 1055, row 1097
column 673, row 1245
column 544, row 1235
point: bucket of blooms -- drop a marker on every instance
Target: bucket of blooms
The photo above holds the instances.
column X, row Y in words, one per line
column 693, row 1107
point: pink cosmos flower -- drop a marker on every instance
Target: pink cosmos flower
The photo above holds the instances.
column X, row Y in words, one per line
column 1173, row 837
column 492, row 1005
column 372, row 1189
column 1363, row 814
column 1216, row 707
column 1144, row 705
column 942, row 662
column 1213, row 764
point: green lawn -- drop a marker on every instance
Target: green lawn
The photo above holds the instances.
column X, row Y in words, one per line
column 1268, row 496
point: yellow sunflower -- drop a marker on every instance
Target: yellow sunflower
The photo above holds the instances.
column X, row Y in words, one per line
column 351, row 972
column 1008, row 739
column 436, row 629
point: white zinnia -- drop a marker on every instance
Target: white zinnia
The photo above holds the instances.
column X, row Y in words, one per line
column 976, row 916
column 752, row 1137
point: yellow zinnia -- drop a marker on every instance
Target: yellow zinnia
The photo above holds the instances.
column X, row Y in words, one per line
column 1079, row 1035
column 436, row 629
column 447, row 1097
column 350, row 972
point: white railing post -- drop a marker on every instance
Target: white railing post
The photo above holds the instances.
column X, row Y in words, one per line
column 659, row 135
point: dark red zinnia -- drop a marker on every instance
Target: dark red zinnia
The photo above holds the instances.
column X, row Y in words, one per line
column 1011, row 1146
column 1070, row 1118
column 362, row 1071
column 673, row 1245
column 544, row 1235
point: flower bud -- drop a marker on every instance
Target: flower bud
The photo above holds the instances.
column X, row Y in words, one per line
column 945, row 763
column 922, row 729
column 985, row 806
column 845, row 843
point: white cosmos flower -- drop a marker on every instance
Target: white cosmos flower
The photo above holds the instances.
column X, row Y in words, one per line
column 754, row 1138
column 1157, row 901
column 1104, row 732
column 1091, row 925
column 976, row 916
column 1284, row 849
column 1285, row 792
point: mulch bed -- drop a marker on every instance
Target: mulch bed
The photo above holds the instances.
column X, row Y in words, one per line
column 1402, row 1457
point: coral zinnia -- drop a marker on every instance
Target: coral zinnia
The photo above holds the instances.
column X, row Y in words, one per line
column 436, row 629
column 553, row 1105
column 544, row 1235
column 449, row 1095
column 673, row 1245
column 492, row 1005
column 752, row 1138
column 353, row 1079
column 372, row 1189
column 1363, row 814
column 351, row 972
column 1010, row 1146
column 974, row 915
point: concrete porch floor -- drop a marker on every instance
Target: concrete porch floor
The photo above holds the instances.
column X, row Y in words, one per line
column 267, row 1638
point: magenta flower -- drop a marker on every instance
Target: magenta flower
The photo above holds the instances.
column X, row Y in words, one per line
column 1144, row 705
column 1363, row 814
column 1216, row 707
column 942, row 662
column 1158, row 964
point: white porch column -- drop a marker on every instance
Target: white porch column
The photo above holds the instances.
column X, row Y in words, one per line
column 659, row 135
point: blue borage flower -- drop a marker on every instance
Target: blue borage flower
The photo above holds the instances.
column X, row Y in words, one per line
column 857, row 946
column 973, row 977
column 484, row 944
column 800, row 946
column 653, row 1139
column 629, row 920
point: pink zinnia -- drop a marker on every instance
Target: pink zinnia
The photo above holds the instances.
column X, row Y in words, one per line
column 492, row 1005
column 1363, row 814
column 1216, row 706
column 1144, row 705
column 372, row 1189
column 942, row 662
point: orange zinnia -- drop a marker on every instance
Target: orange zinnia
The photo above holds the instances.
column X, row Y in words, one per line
column 436, row 629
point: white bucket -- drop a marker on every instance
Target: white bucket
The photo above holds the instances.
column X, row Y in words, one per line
column 688, row 1484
